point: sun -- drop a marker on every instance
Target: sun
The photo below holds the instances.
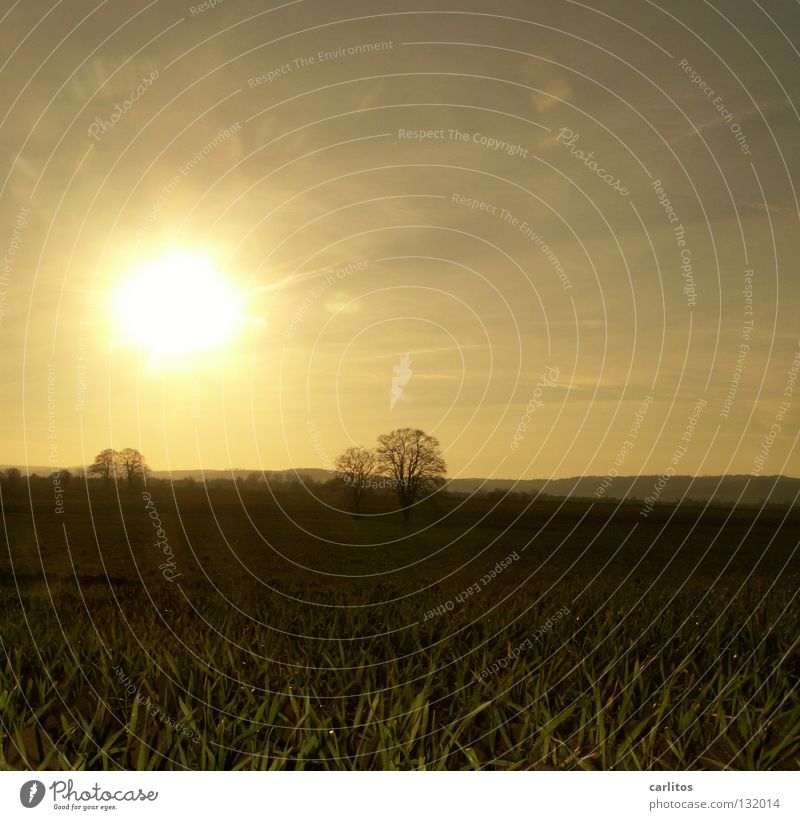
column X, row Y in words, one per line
column 176, row 306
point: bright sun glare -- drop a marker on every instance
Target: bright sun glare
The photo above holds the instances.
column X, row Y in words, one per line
column 177, row 305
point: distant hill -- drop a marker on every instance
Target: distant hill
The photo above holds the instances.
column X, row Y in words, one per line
column 726, row 489
column 723, row 489
column 314, row 473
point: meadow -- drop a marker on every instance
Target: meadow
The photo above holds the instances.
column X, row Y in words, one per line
column 288, row 635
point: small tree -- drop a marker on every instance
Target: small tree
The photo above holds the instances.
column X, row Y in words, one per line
column 104, row 465
column 413, row 461
column 132, row 464
column 355, row 467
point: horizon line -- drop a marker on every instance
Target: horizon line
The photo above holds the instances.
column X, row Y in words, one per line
column 49, row 469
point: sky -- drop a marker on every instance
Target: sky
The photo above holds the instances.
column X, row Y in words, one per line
column 561, row 237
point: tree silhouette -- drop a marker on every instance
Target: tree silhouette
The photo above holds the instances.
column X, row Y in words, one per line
column 413, row 460
column 104, row 465
column 132, row 464
column 355, row 467
column 13, row 475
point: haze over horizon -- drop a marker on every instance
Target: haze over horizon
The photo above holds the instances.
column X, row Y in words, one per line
column 42, row 469
column 241, row 236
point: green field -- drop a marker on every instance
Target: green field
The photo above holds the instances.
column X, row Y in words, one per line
column 295, row 636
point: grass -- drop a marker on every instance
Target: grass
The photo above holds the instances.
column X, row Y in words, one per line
column 679, row 649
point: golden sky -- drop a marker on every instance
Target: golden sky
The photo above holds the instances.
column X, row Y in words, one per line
column 567, row 231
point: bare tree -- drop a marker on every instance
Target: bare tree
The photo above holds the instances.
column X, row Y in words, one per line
column 355, row 467
column 132, row 464
column 105, row 465
column 413, row 461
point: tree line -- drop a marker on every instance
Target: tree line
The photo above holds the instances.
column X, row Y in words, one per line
column 407, row 461
column 109, row 465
